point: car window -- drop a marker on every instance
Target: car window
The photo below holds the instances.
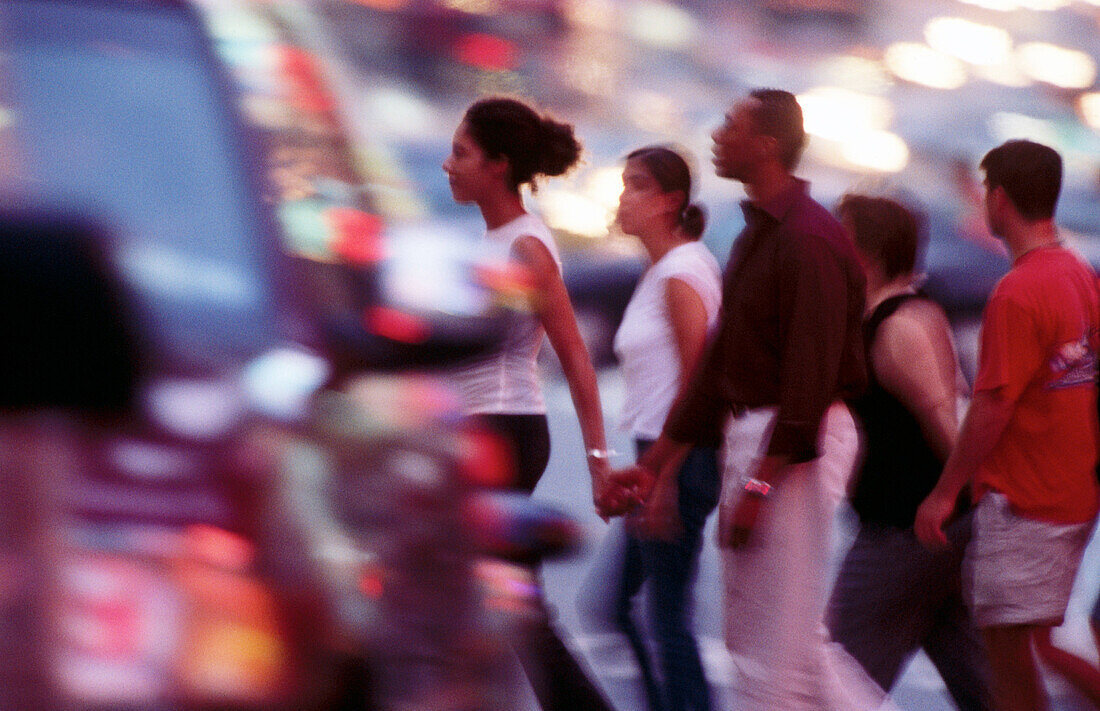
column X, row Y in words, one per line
column 117, row 114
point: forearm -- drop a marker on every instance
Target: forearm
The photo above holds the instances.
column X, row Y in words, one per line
column 663, row 458
column 985, row 423
column 771, row 468
column 940, row 427
column 584, row 391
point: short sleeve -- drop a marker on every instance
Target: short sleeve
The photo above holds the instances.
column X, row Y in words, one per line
column 702, row 277
column 1010, row 356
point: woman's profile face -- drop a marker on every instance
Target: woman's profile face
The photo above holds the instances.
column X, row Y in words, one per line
column 641, row 198
column 467, row 167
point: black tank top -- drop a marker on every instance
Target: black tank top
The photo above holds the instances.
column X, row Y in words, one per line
column 899, row 468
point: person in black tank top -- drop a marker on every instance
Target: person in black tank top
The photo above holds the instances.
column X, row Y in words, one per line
column 899, row 466
column 892, row 595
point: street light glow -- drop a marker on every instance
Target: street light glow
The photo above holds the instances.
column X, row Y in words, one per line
column 1089, row 107
column 1066, row 68
column 604, row 186
column 971, row 42
column 1012, row 5
column 1006, row 125
column 662, row 25
column 921, row 64
column 1006, row 74
column 879, row 151
column 574, row 212
column 840, row 114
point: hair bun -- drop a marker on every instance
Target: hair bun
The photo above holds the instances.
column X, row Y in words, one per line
column 560, row 148
column 693, row 221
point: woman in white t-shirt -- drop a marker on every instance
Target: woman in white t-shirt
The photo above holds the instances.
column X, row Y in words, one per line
column 500, row 146
column 662, row 335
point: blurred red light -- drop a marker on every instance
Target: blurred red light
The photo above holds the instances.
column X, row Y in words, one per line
column 486, row 52
column 358, row 235
column 396, row 325
column 370, row 584
column 486, row 459
column 219, row 547
column 307, row 91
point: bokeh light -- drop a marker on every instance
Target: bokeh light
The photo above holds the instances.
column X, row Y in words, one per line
column 920, row 64
column 840, row 114
column 879, row 151
column 1089, row 107
column 1066, row 68
column 1007, row 125
column 971, row 42
column 662, row 25
column 574, row 212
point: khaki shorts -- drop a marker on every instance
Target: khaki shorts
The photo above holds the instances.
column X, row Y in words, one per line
column 1017, row 570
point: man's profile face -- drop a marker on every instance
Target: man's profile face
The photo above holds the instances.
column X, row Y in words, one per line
column 738, row 146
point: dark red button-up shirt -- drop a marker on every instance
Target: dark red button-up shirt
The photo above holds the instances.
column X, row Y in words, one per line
column 788, row 333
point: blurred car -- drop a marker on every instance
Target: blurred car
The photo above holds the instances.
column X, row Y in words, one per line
column 210, row 500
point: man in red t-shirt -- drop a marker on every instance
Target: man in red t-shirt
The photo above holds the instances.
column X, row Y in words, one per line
column 1028, row 447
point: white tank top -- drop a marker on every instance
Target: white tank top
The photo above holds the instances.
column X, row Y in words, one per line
column 646, row 344
column 506, row 381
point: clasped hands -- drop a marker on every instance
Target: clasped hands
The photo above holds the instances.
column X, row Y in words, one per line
column 636, row 492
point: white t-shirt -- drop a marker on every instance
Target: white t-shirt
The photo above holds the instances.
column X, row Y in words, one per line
column 646, row 344
column 506, row 381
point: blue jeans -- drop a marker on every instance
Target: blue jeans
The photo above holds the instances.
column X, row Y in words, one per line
column 670, row 570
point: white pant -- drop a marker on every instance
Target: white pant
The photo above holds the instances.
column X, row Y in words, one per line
column 776, row 586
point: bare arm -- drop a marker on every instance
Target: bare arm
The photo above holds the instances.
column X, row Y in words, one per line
column 556, row 314
column 914, row 359
column 986, row 420
column 688, row 318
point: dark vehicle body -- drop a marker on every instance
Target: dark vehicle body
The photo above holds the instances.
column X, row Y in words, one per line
column 220, row 489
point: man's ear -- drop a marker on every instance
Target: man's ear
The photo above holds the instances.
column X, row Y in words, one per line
column 770, row 146
column 997, row 197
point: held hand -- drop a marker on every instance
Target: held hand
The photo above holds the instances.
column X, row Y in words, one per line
column 604, row 491
column 613, row 494
column 736, row 521
column 631, row 486
column 931, row 517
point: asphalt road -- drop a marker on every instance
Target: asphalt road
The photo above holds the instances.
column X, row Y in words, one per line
column 578, row 587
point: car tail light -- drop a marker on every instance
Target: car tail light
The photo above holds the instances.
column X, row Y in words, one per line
column 118, row 621
column 485, row 459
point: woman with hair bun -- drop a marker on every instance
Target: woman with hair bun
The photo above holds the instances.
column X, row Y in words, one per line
column 500, row 146
column 662, row 334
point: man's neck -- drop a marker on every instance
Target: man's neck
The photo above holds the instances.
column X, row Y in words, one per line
column 1030, row 236
column 771, row 180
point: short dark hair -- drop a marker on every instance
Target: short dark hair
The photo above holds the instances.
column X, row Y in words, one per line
column 886, row 231
column 671, row 171
column 534, row 144
column 1029, row 172
column 777, row 114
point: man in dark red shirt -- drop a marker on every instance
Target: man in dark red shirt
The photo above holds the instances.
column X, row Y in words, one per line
column 786, row 353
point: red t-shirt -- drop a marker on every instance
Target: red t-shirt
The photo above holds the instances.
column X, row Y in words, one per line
column 1039, row 343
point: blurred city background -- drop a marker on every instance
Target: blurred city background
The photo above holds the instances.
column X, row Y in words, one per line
column 351, row 105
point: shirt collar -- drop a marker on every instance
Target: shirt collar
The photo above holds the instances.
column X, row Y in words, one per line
column 778, row 207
